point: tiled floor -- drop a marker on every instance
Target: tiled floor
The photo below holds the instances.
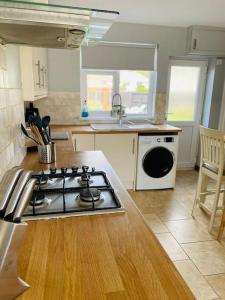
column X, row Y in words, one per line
column 198, row 256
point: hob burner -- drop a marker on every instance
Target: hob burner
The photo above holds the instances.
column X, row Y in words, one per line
column 90, row 195
column 38, row 200
column 43, row 180
column 85, row 179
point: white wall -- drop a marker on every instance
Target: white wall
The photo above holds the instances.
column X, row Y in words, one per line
column 12, row 148
column 64, row 70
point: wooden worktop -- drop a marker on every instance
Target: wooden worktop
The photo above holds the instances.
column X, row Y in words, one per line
column 110, row 256
column 155, row 129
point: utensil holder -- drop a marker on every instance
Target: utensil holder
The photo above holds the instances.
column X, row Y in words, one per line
column 47, row 153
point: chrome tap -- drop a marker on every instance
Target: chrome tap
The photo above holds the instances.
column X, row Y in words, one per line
column 121, row 115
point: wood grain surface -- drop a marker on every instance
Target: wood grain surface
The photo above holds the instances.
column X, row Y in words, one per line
column 110, row 257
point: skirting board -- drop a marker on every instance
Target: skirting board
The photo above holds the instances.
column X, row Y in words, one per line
column 185, row 166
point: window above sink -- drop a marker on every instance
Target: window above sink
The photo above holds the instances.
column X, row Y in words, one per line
column 136, row 88
column 110, row 68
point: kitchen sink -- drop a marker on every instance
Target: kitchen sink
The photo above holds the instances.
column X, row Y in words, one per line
column 142, row 126
column 105, row 126
column 124, row 126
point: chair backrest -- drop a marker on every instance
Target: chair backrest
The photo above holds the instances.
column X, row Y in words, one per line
column 212, row 148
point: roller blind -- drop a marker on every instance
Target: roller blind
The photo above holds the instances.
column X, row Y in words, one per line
column 119, row 56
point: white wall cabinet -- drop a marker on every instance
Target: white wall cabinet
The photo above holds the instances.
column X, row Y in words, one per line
column 119, row 149
column 83, row 142
column 206, row 40
column 33, row 63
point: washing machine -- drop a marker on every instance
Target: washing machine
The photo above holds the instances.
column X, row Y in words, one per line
column 156, row 162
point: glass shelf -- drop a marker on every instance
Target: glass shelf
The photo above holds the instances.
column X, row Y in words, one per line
column 58, row 8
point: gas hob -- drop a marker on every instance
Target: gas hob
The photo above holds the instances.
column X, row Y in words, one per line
column 71, row 191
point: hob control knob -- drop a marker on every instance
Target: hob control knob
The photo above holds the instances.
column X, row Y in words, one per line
column 52, row 170
column 75, row 169
column 63, row 170
column 85, row 169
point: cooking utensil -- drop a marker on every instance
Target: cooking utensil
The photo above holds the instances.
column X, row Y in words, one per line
column 27, row 135
column 7, row 186
column 45, row 124
column 45, row 121
column 24, row 199
column 38, row 123
column 36, row 132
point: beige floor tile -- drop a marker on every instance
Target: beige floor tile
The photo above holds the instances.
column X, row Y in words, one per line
column 155, row 223
column 195, row 280
column 186, row 231
column 209, row 257
column 218, row 284
column 171, row 246
column 172, row 211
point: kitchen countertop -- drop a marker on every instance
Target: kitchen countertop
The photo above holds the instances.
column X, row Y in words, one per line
column 155, row 129
column 110, row 256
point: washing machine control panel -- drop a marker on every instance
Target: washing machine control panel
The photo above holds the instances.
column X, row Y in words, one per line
column 156, row 139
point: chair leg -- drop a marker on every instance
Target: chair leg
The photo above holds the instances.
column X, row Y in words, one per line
column 222, row 224
column 223, row 200
column 215, row 205
column 201, row 186
column 204, row 185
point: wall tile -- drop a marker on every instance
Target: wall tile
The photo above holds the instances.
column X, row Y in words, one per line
column 12, row 149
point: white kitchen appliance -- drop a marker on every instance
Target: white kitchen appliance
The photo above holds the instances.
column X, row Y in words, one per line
column 157, row 162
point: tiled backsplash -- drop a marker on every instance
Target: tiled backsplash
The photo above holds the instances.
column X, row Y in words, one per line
column 12, row 148
column 160, row 109
column 64, row 108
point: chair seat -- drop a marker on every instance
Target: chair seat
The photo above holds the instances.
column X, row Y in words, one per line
column 211, row 168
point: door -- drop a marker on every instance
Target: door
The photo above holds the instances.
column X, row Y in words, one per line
column 120, row 150
column 186, row 87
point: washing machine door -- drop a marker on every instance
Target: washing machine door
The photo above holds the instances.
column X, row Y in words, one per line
column 158, row 162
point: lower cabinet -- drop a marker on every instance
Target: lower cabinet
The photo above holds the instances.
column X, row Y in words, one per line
column 119, row 148
column 83, row 142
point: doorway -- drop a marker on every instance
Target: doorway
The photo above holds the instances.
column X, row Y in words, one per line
column 185, row 96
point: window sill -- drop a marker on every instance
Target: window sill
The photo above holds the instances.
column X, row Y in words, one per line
column 113, row 119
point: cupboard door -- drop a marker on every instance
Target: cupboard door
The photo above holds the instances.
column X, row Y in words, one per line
column 83, row 142
column 33, row 72
column 120, row 150
column 206, row 40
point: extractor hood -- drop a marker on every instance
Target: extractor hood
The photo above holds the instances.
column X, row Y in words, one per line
column 51, row 25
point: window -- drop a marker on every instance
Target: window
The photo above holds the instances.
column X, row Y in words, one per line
column 136, row 87
column 185, row 88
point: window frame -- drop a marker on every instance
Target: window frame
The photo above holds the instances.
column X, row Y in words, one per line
column 181, row 62
column 96, row 115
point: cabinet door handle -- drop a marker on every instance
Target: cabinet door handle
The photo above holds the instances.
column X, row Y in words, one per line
column 133, row 146
column 194, row 44
column 38, row 64
column 75, row 145
column 43, row 77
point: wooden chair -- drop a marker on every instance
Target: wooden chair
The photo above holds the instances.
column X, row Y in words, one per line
column 211, row 166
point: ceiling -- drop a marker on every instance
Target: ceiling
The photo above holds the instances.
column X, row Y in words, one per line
column 161, row 12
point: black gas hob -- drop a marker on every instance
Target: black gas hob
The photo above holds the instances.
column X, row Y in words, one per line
column 71, row 191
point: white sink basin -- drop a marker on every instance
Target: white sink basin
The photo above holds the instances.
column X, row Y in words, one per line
column 127, row 127
column 142, row 126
